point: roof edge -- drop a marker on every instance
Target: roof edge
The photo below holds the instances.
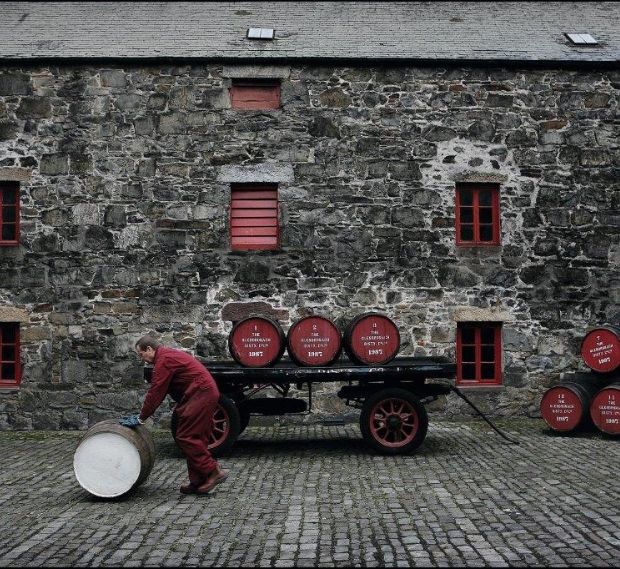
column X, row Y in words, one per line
column 351, row 61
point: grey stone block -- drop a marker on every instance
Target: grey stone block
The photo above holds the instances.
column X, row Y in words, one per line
column 15, row 84
column 265, row 172
column 113, row 78
column 34, row 107
column 54, row 164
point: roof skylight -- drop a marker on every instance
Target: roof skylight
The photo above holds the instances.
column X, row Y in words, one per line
column 260, row 33
column 581, row 39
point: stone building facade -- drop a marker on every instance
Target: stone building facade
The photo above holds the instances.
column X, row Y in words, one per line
column 125, row 170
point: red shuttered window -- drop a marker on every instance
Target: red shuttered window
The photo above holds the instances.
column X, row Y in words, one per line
column 255, row 95
column 10, row 372
column 254, row 216
column 477, row 215
column 9, row 214
column 479, row 353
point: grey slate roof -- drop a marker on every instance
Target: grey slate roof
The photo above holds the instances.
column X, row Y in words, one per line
column 461, row 31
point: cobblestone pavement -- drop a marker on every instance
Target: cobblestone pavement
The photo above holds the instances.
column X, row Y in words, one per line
column 311, row 495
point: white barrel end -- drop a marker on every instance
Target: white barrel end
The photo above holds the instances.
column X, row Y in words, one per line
column 106, row 464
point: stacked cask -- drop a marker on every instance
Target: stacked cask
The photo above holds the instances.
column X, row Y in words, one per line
column 605, row 409
column 592, row 398
column 600, row 351
column 565, row 407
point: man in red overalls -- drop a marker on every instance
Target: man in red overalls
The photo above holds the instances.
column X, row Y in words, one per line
column 187, row 381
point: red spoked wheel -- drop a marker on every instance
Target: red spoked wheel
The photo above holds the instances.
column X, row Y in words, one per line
column 220, row 429
column 393, row 421
column 226, row 426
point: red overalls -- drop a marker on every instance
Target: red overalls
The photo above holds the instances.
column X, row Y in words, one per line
column 187, row 381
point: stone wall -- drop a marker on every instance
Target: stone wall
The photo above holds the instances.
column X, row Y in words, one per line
column 125, row 186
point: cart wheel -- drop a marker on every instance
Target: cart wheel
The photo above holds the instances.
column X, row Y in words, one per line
column 393, row 421
column 226, row 426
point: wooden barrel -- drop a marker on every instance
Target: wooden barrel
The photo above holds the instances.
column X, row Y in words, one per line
column 600, row 348
column 314, row 341
column 565, row 407
column 371, row 338
column 256, row 341
column 605, row 409
column 111, row 459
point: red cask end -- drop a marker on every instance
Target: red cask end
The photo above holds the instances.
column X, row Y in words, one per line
column 565, row 406
column 256, row 341
column 371, row 339
column 314, row 341
column 600, row 349
column 605, row 409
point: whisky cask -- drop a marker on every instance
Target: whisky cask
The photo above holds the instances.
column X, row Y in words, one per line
column 600, row 348
column 256, row 341
column 371, row 339
column 110, row 460
column 314, row 341
column 605, row 409
column 565, row 407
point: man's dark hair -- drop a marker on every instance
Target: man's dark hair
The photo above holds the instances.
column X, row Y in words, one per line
column 147, row 342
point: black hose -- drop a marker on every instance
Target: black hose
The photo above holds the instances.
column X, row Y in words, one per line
column 458, row 392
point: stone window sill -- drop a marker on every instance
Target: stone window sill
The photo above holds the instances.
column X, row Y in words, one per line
column 480, row 388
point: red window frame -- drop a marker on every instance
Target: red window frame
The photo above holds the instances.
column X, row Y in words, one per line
column 9, row 214
column 10, row 368
column 255, row 94
column 254, row 217
column 478, row 353
column 477, row 215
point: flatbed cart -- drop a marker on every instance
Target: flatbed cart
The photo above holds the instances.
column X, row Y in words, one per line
column 391, row 397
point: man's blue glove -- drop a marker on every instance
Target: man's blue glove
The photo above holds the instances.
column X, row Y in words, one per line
column 131, row 421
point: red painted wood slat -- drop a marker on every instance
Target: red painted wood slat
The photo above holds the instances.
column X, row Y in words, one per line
column 255, row 97
column 254, row 194
column 254, row 213
column 254, row 231
column 254, row 216
column 254, row 222
column 258, row 204
column 256, row 241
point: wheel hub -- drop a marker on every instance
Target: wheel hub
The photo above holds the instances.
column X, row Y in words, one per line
column 393, row 422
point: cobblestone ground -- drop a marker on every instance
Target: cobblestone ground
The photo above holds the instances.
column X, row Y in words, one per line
column 308, row 495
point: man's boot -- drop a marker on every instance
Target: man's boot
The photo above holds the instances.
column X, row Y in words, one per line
column 188, row 488
column 215, row 478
